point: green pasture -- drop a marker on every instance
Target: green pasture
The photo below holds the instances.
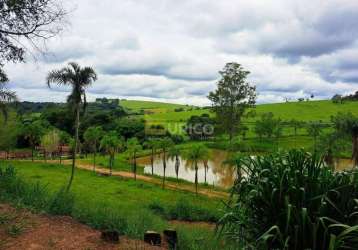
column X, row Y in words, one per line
column 137, row 205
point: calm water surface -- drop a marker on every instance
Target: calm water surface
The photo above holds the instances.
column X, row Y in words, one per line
column 218, row 174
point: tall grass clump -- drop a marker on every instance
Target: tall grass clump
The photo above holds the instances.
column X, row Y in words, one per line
column 292, row 200
column 185, row 209
column 61, row 203
column 202, row 239
column 101, row 216
column 34, row 196
column 20, row 192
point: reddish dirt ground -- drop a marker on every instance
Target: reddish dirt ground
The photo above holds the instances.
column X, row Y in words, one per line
column 23, row 230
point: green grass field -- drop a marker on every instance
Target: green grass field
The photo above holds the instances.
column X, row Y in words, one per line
column 156, row 107
column 140, row 206
column 304, row 111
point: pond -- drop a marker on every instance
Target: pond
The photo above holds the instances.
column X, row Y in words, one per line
column 341, row 164
column 218, row 174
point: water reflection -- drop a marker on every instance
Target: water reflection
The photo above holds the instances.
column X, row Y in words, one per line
column 218, row 173
column 341, row 164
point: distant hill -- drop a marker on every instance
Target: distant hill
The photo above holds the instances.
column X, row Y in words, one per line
column 152, row 107
column 169, row 112
column 305, row 111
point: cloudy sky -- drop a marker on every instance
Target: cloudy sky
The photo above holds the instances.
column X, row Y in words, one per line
column 170, row 50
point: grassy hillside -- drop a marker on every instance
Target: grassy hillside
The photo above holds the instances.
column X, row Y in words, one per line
column 163, row 113
column 155, row 107
column 305, row 111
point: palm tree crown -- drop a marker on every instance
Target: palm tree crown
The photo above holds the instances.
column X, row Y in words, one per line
column 77, row 77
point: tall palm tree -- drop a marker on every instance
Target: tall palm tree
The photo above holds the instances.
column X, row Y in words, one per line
column 133, row 147
column 206, row 168
column 152, row 144
column 173, row 154
column 79, row 78
column 92, row 136
column 164, row 144
column 6, row 96
column 111, row 144
column 197, row 153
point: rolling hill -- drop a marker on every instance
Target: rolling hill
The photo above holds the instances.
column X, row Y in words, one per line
column 305, row 111
column 165, row 114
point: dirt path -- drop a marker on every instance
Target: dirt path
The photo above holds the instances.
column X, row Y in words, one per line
column 168, row 184
column 20, row 229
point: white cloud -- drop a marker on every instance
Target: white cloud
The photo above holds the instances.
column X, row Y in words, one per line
column 172, row 50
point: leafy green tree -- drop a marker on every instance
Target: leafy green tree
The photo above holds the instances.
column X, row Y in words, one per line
column 152, row 144
column 268, row 126
column 33, row 132
column 164, row 144
column 330, row 143
column 92, row 136
column 9, row 131
column 200, row 127
column 6, row 96
column 314, row 129
column 277, row 132
column 347, row 124
column 296, row 125
column 130, row 127
column 111, row 143
column 50, row 143
column 65, row 139
column 337, row 99
column 194, row 155
column 79, row 79
column 243, row 130
column 31, row 20
column 232, row 97
column 133, row 146
column 173, row 154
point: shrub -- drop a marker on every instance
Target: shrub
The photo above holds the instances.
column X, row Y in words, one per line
column 101, row 216
column 157, row 207
column 62, row 203
column 184, row 209
column 177, row 139
column 292, row 201
column 15, row 189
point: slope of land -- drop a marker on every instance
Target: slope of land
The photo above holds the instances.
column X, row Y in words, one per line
column 305, row 111
column 135, row 105
column 172, row 120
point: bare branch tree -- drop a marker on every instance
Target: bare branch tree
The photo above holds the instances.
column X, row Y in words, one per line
column 33, row 21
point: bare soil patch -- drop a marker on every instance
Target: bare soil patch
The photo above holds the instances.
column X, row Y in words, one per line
column 21, row 229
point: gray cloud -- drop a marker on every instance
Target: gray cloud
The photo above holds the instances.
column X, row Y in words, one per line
column 173, row 50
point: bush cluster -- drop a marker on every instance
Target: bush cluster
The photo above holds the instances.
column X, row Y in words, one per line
column 292, row 200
